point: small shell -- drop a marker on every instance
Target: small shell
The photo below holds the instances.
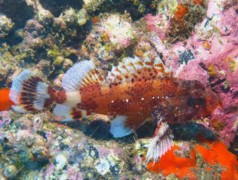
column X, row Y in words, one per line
column 10, row 171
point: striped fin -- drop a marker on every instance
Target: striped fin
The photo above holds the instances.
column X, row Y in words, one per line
column 80, row 75
column 29, row 92
column 135, row 69
column 161, row 142
column 93, row 77
column 68, row 113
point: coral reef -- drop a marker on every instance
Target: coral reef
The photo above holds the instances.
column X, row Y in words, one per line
column 41, row 148
column 111, row 35
column 196, row 40
column 216, row 66
column 5, row 25
column 43, row 37
column 208, row 56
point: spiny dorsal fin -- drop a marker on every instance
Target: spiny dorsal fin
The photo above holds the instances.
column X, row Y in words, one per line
column 135, row 69
column 81, row 74
column 93, row 77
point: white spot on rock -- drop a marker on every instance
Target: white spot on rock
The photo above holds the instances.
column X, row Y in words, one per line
column 61, row 160
column 102, row 166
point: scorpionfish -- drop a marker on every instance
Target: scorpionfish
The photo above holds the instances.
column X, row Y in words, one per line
column 133, row 91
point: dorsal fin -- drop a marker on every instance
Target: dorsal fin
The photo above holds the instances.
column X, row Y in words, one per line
column 94, row 76
column 81, row 74
column 135, row 69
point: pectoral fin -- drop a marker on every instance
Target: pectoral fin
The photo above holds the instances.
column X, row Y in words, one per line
column 161, row 143
column 118, row 127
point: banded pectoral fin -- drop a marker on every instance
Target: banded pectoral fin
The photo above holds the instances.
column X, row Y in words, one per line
column 161, row 142
column 125, row 125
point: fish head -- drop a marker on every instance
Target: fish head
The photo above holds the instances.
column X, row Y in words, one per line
column 202, row 101
column 212, row 101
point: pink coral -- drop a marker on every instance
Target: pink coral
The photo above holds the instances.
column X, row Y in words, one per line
column 118, row 29
column 157, row 24
column 228, row 25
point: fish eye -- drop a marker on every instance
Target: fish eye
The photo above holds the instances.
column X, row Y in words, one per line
column 200, row 101
column 193, row 102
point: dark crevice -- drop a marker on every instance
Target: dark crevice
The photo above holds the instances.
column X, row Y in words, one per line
column 122, row 6
column 18, row 11
column 56, row 7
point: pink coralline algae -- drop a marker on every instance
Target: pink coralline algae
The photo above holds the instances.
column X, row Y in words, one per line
column 228, row 26
column 157, row 24
column 4, row 118
column 210, row 55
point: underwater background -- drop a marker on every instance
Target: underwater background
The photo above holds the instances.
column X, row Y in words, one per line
column 195, row 39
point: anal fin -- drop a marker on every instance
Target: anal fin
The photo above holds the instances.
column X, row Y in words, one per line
column 67, row 113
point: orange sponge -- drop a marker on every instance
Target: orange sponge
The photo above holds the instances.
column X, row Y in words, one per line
column 180, row 12
column 172, row 164
column 212, row 152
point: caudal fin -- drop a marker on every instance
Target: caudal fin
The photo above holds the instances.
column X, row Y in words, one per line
column 29, row 93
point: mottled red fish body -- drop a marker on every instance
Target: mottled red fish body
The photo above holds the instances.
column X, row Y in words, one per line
column 176, row 100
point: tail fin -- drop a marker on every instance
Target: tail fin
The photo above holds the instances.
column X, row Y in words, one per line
column 29, row 93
